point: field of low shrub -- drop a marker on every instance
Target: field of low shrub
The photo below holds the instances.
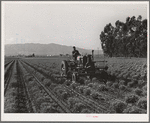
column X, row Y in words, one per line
column 124, row 92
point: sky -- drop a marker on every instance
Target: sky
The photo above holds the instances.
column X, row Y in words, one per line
column 65, row 23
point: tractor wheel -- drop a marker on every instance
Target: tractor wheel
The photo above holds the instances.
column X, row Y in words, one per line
column 74, row 77
column 64, row 68
column 69, row 74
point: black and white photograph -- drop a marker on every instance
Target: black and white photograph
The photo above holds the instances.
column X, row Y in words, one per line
column 75, row 61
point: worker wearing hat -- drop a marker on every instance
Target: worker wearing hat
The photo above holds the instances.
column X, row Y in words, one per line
column 75, row 53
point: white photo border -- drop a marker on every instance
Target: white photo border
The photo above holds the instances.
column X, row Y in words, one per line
column 70, row 117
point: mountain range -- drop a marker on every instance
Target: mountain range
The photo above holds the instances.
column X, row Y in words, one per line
column 43, row 49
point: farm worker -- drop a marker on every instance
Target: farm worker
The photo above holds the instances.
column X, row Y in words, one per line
column 75, row 53
column 89, row 64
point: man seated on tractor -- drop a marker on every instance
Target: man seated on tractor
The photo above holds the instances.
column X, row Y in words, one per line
column 89, row 63
column 75, row 53
column 88, row 60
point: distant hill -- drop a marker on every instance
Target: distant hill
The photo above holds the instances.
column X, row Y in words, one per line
column 42, row 49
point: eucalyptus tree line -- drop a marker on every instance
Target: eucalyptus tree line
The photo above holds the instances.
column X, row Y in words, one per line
column 126, row 39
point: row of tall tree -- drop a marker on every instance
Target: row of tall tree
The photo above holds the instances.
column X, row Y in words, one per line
column 126, row 39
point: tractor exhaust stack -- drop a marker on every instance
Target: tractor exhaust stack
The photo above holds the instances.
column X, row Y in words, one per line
column 93, row 54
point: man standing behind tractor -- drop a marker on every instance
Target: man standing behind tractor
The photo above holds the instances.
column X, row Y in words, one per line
column 75, row 53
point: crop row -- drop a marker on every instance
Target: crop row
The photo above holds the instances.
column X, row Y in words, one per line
column 15, row 97
column 119, row 85
column 42, row 102
column 66, row 95
column 97, row 93
column 128, row 68
column 7, row 63
column 7, row 68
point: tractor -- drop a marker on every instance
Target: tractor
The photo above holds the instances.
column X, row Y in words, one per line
column 83, row 66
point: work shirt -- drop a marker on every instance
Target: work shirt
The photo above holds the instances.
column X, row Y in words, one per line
column 75, row 53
